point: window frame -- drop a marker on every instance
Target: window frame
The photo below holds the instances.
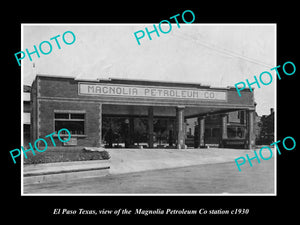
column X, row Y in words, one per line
column 69, row 112
column 235, row 127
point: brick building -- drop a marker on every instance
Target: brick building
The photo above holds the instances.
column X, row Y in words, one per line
column 130, row 113
column 26, row 114
column 265, row 129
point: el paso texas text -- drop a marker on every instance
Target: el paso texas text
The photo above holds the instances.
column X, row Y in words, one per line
column 149, row 212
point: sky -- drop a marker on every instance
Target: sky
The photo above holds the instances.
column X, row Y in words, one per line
column 218, row 55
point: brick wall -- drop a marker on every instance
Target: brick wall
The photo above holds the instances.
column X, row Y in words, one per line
column 46, row 112
column 68, row 88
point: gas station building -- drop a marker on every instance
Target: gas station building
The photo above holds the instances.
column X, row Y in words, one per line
column 141, row 113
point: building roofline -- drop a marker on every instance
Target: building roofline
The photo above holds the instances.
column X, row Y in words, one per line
column 138, row 82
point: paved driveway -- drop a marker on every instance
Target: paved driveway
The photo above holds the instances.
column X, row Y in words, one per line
column 136, row 160
column 200, row 179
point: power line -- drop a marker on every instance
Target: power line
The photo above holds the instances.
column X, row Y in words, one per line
column 223, row 51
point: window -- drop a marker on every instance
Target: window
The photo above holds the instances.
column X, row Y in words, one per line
column 73, row 121
column 236, row 132
column 240, row 132
column 241, row 116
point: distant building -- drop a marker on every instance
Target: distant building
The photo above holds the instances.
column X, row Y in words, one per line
column 26, row 114
column 257, row 126
column 265, row 129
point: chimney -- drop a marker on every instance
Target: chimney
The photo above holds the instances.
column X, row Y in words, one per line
column 272, row 110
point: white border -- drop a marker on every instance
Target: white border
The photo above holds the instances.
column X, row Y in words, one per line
column 275, row 116
column 142, row 194
column 22, row 127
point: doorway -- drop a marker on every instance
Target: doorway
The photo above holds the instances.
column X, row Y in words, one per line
column 132, row 132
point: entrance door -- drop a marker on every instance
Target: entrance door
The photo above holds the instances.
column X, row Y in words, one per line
column 132, row 132
column 212, row 136
column 124, row 132
column 164, row 132
column 115, row 132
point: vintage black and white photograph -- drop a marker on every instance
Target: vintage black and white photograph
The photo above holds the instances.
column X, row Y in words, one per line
column 170, row 108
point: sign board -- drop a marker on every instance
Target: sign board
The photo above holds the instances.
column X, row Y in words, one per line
column 95, row 89
column 72, row 141
column 232, row 143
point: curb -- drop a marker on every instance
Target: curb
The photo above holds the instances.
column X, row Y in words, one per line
column 62, row 171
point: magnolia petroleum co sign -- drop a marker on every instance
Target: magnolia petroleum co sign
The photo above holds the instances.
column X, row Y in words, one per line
column 95, row 89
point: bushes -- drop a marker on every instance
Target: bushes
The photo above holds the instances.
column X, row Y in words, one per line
column 64, row 154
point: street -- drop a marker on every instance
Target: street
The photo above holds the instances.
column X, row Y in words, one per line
column 216, row 178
